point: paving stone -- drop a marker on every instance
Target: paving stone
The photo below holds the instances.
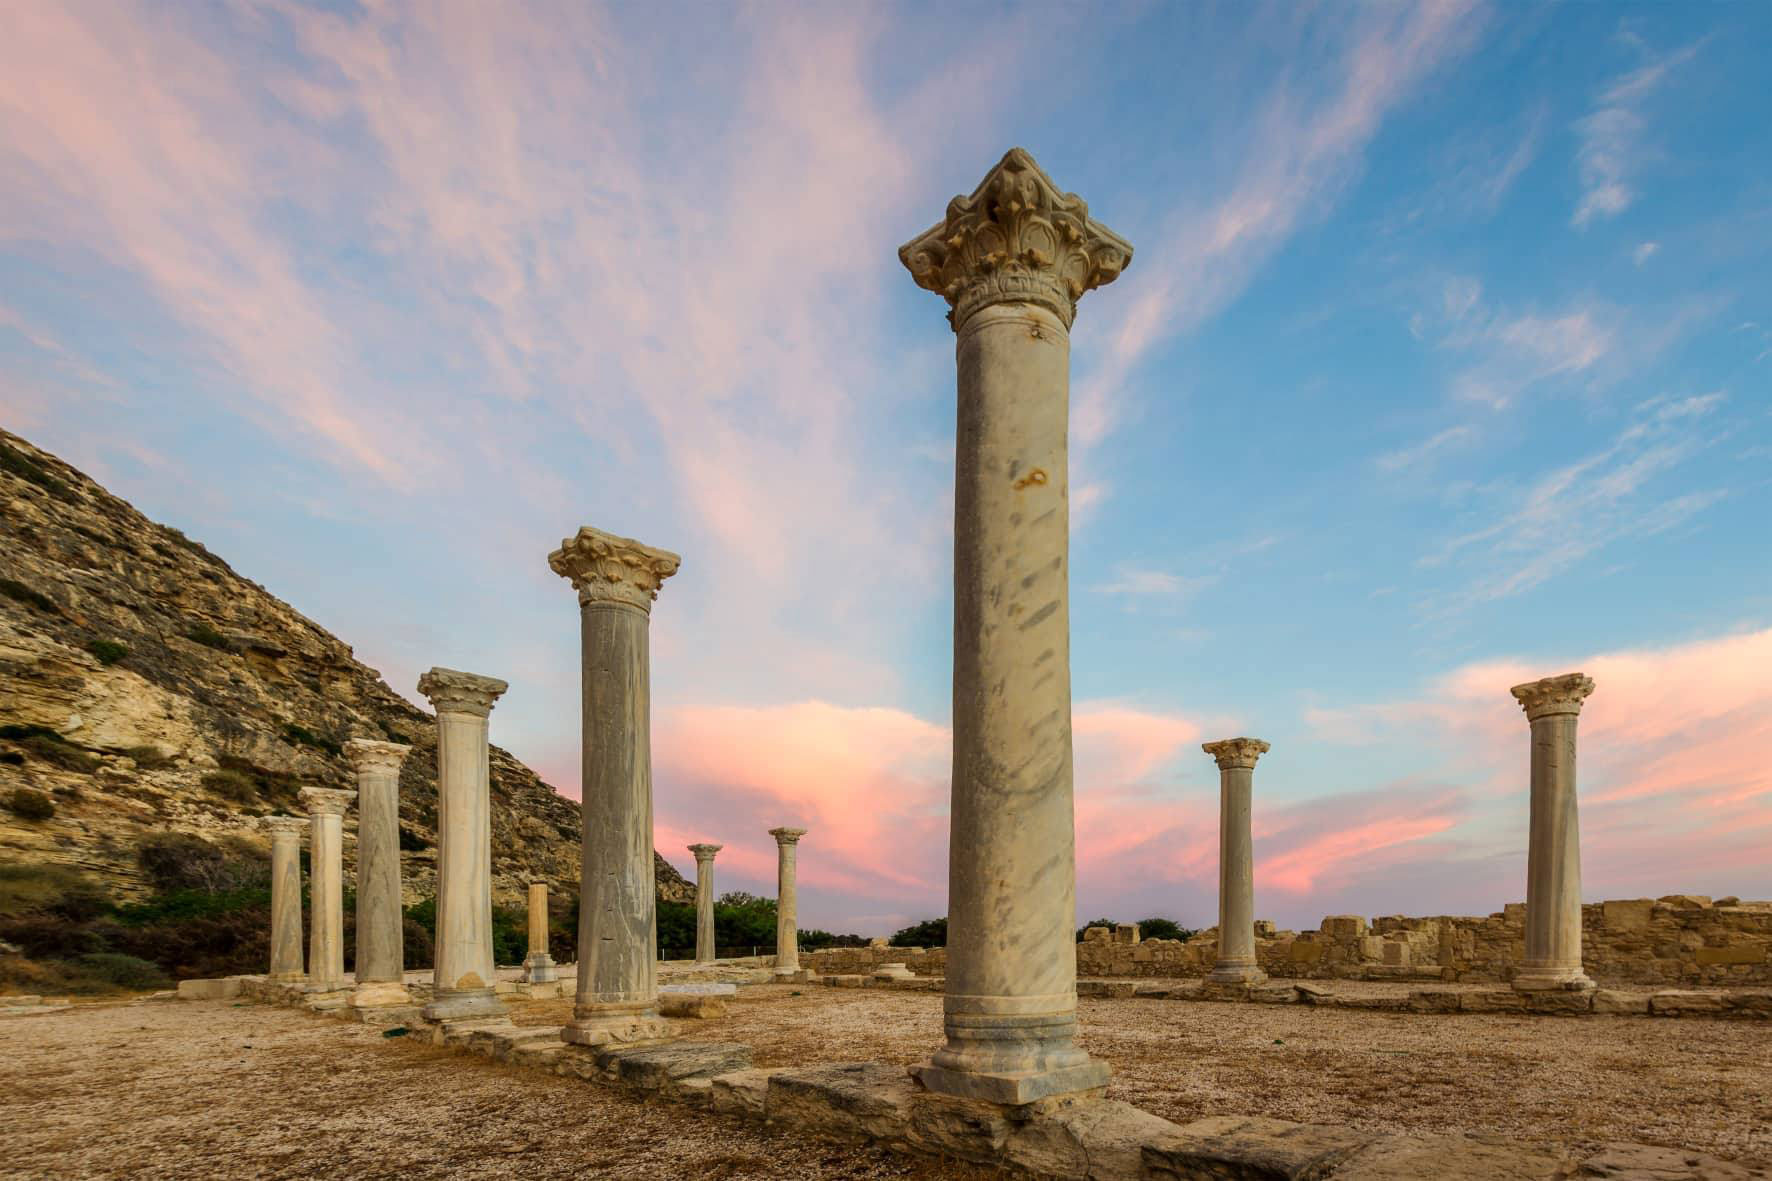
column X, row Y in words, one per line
column 743, row 1092
column 855, row 1102
column 1249, row 1148
column 657, row 1067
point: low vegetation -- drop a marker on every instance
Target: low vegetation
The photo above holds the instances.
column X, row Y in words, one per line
column 17, row 463
column 928, row 933
column 107, row 651
column 30, row 804
column 14, row 589
column 203, row 634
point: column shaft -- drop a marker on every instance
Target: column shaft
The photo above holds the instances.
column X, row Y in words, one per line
column 1236, row 964
column 326, row 932
column 538, row 968
column 286, row 928
column 381, row 960
column 787, row 902
column 1553, row 863
column 705, row 951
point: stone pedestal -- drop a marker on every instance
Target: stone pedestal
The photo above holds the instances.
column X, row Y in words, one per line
column 787, row 903
column 617, row 580
column 704, row 902
column 1553, row 859
column 381, row 942
column 464, row 974
column 286, row 953
column 1236, row 862
column 326, row 887
column 1012, row 260
column 538, row 968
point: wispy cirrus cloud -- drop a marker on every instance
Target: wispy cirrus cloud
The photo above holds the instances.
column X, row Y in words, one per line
column 1612, row 148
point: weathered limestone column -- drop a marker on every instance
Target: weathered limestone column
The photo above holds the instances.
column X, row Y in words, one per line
column 286, row 954
column 704, row 901
column 1236, row 862
column 381, row 942
column 326, row 887
column 1553, row 858
column 1012, row 260
column 617, row 579
column 464, row 974
column 538, row 968
column 787, row 902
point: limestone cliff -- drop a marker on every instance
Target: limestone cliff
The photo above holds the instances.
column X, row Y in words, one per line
column 145, row 686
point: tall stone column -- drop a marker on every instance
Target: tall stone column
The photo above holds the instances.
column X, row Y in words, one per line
column 538, row 968
column 286, row 953
column 617, row 579
column 326, row 887
column 704, row 902
column 381, row 942
column 1236, row 862
column 1553, row 858
column 1012, row 260
column 787, row 902
column 464, row 974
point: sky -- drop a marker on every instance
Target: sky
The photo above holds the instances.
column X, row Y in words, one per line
column 1441, row 364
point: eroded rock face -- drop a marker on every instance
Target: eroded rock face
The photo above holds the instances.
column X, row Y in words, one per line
column 188, row 698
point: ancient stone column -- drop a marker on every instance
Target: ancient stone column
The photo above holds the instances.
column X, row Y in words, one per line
column 381, row 942
column 1012, row 260
column 704, row 901
column 617, row 579
column 1553, row 858
column 326, row 887
column 538, row 968
column 464, row 974
column 286, row 953
column 787, row 902
column 1236, row 862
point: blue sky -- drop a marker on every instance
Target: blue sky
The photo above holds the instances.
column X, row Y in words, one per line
column 1441, row 364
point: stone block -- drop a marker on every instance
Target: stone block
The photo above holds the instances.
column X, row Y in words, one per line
column 1371, row 948
column 1106, row 988
column 224, row 988
column 742, row 1092
column 539, row 1055
column 1454, row 1158
column 697, row 1093
column 1739, row 953
column 1643, row 1162
column 1098, row 934
column 1560, row 1004
column 1631, row 914
column 1686, row 901
column 1250, row 1147
column 1621, row 1004
column 896, row 971
column 1305, row 951
column 1678, row 1003
column 1397, row 955
column 1312, row 994
column 657, row 1068
column 1273, row 994
column 1500, row 1000
column 698, row 1006
column 1436, row 1000
column 1126, row 933
column 1098, row 1138
column 845, row 981
column 1344, row 928
column 1749, row 1001
column 853, row 1103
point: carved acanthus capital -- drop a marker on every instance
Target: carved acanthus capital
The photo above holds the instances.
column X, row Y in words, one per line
column 1236, row 752
column 327, row 801
column 452, row 692
column 1016, row 239
column 1553, row 695
column 369, row 756
column 605, row 568
column 285, row 826
column 787, row 836
column 704, row 853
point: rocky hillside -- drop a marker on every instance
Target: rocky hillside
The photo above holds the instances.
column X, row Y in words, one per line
column 145, row 687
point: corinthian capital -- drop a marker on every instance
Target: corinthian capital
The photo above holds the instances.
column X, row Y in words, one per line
column 366, row 754
column 1016, row 239
column 327, row 801
column 285, row 826
column 605, row 568
column 787, row 836
column 1235, row 752
column 453, row 692
column 1553, row 695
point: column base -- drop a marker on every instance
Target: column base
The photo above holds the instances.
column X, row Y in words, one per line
column 287, row 978
column 792, row 976
column 457, row 1004
column 1553, row 980
column 329, row 985
column 380, row 994
column 616, row 1029
column 539, row 969
column 1013, row 1088
column 1236, row 973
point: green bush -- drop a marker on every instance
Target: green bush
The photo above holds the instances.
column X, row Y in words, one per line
column 232, row 786
column 928, row 933
column 107, row 651
column 302, row 736
column 30, row 804
column 176, row 861
column 29, row 885
column 209, row 638
column 124, row 971
column 420, row 951
column 59, row 752
column 148, row 758
column 13, row 589
column 813, row 939
column 268, row 786
column 17, row 463
column 411, row 842
column 1160, row 928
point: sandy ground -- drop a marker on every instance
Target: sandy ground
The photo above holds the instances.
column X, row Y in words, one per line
column 1685, row 1083
column 214, row 1090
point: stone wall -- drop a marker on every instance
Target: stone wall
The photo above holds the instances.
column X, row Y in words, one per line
column 1680, row 939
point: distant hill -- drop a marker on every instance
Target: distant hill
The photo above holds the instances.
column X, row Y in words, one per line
column 146, row 687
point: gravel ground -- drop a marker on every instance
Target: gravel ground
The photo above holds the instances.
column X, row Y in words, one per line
column 183, row 1090
column 1686, row 1083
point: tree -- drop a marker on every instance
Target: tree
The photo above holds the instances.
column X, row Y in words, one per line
column 928, row 933
column 1110, row 924
column 1164, row 929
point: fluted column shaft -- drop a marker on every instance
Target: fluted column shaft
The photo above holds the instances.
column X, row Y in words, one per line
column 464, row 975
column 1236, row 862
column 705, row 951
column 1553, row 859
column 538, row 968
column 326, row 941
column 787, row 901
column 286, row 932
column 1012, row 260
column 617, row 579
column 381, row 958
